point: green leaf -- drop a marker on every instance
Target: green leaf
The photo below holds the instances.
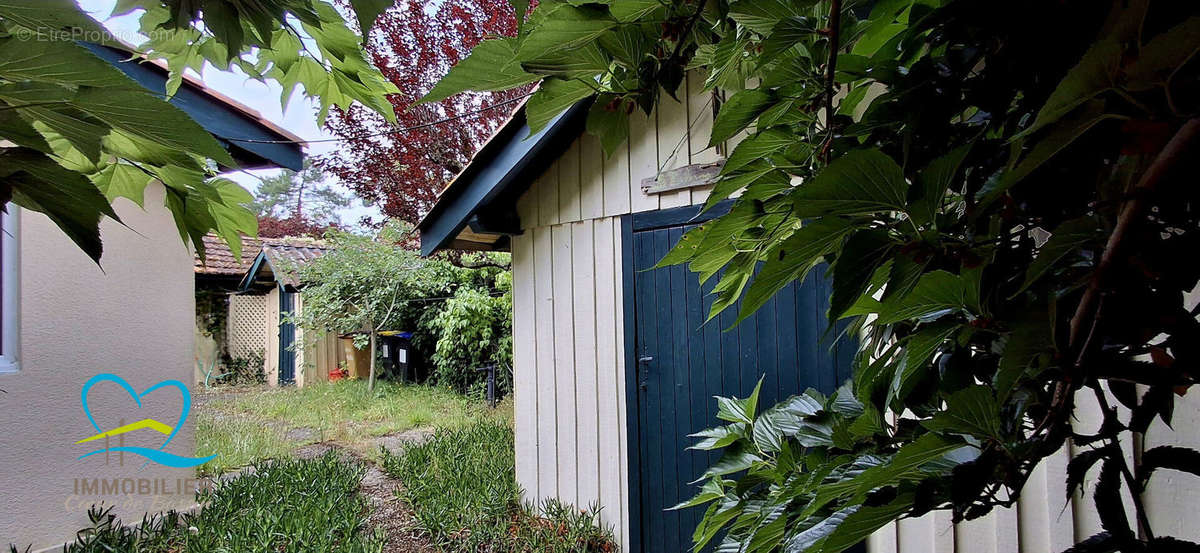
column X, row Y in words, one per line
column 918, row 350
column 153, row 119
column 734, row 460
column 973, row 411
column 1163, row 55
column 626, row 11
column 710, row 491
column 492, row 65
column 756, row 176
column 586, row 62
column 553, row 97
column 860, row 182
column 58, row 61
column 792, row 260
column 863, row 522
column 937, row 293
column 761, row 16
column 43, row 16
column 759, row 146
column 121, row 180
column 35, row 182
column 1095, row 73
column 1028, row 340
column 862, row 255
column 367, row 11
column 611, row 126
column 933, row 181
column 566, row 27
column 739, row 410
column 719, row 437
column 736, row 114
column 1060, row 135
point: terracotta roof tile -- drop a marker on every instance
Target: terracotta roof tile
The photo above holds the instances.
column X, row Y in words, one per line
column 220, row 261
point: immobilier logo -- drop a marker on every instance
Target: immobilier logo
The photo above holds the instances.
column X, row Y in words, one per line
column 103, row 439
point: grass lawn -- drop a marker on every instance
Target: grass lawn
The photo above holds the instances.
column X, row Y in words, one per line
column 243, row 428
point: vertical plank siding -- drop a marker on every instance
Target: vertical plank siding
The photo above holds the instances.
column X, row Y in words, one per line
column 570, row 365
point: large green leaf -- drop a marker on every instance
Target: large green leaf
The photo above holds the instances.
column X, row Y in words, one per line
column 367, row 11
column 61, row 16
column 973, row 411
column 492, row 65
column 610, row 125
column 565, row 27
column 1095, row 73
column 553, row 97
column 1163, row 55
column 153, row 119
column 58, row 61
column 121, row 180
column 1059, row 135
column 761, row 16
column 918, row 350
column 933, row 181
column 736, row 114
column 861, row 256
column 860, row 182
column 937, row 293
column 863, row 522
column 627, row 11
column 792, row 260
column 759, row 146
column 73, row 203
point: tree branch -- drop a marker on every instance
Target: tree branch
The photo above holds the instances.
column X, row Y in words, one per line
column 835, row 23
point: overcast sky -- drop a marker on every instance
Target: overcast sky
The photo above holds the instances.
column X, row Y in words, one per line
column 299, row 117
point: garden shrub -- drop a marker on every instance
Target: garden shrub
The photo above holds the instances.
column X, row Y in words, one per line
column 243, row 371
column 474, row 329
column 462, row 487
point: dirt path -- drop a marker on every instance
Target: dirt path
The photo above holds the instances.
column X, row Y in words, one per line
column 388, row 512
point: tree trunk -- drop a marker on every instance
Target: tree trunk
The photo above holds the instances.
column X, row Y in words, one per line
column 371, row 374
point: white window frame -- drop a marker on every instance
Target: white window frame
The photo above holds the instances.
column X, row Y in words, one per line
column 10, row 298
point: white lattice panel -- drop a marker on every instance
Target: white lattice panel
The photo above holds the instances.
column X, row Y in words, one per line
column 248, row 325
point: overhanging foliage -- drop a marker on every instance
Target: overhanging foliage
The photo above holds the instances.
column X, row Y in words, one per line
column 81, row 134
column 1003, row 192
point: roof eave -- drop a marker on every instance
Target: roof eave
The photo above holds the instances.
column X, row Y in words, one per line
column 499, row 173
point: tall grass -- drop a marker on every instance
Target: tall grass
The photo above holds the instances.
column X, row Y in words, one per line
column 237, row 443
column 298, row 506
column 462, row 487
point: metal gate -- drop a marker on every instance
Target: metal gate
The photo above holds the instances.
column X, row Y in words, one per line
column 681, row 363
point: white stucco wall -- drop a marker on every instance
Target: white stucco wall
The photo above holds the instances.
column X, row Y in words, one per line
column 134, row 318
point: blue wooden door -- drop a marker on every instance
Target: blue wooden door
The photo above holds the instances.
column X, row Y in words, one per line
column 681, row 363
column 287, row 338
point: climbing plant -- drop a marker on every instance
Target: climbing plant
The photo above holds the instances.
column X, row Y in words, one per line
column 76, row 133
column 1004, row 194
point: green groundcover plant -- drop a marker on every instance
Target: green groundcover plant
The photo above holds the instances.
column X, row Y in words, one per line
column 1004, row 192
column 295, row 505
column 463, row 488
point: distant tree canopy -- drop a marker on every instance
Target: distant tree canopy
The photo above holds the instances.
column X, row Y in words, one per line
column 414, row 44
column 79, row 133
column 298, row 203
column 1005, row 194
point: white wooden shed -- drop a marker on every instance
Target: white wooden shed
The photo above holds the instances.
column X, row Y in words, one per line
column 613, row 366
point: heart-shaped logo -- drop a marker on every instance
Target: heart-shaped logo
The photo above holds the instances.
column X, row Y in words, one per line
column 151, row 455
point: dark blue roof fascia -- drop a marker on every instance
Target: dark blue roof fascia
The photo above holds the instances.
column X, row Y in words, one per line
column 215, row 116
column 499, row 172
